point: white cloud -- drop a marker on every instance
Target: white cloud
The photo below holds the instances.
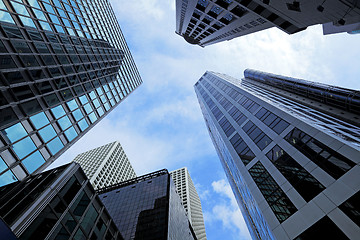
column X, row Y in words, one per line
column 227, row 211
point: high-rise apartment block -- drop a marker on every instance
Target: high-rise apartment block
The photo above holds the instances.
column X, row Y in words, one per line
column 64, row 65
column 56, row 204
column 290, row 149
column 147, row 207
column 106, row 165
column 190, row 200
column 205, row 22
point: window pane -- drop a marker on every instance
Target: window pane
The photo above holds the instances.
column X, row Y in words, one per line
column 70, row 133
column 33, row 162
column 39, row 120
column 88, row 108
column 3, row 165
column 77, row 115
column 83, row 125
column 64, row 122
column 55, row 145
column 58, row 111
column 47, row 133
column 72, row 104
column 15, row 132
column 92, row 117
column 83, row 99
column 24, row 147
column 7, row 178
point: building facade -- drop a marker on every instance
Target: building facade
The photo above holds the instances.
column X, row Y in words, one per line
column 147, row 207
column 205, row 22
column 290, row 149
column 190, row 200
column 64, row 65
column 56, row 204
column 106, row 165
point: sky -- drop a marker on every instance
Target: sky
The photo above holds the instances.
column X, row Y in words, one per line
column 160, row 124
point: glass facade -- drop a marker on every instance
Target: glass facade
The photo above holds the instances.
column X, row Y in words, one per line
column 73, row 212
column 280, row 163
column 147, row 207
column 64, row 65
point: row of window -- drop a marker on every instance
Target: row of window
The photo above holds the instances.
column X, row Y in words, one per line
column 257, row 135
column 304, row 183
column 244, row 152
column 326, row 158
column 274, row 122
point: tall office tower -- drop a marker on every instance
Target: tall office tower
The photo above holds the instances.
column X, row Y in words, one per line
column 290, row 149
column 205, row 22
column 147, row 207
column 106, row 165
column 64, row 65
column 56, row 204
column 190, row 200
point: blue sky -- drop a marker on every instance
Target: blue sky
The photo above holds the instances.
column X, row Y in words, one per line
column 160, row 125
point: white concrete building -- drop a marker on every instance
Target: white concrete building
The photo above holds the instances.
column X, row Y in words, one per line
column 106, row 165
column 205, row 22
column 190, row 200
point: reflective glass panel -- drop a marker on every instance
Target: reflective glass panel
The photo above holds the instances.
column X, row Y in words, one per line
column 24, row 147
column 33, row 162
column 100, row 111
column 58, row 111
column 92, row 117
column 3, row 165
column 88, row 108
column 39, row 120
column 70, row 133
column 92, row 95
column 77, row 115
column 47, row 133
column 83, row 124
column 55, row 145
column 64, row 122
column 15, row 132
column 72, row 104
column 96, row 103
column 7, row 178
column 83, row 99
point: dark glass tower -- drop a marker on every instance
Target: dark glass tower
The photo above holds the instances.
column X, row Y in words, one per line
column 64, row 65
column 56, row 204
column 147, row 207
column 290, row 149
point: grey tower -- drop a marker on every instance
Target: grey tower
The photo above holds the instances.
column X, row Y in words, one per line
column 190, row 200
column 205, row 22
column 290, row 149
column 106, row 165
column 64, row 65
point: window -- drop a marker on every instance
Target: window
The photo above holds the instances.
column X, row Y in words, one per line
column 24, row 147
column 70, row 134
column 255, row 133
column 351, row 208
column 55, row 145
column 244, row 152
column 15, row 132
column 279, row 203
column 323, row 229
column 39, row 120
column 58, row 111
column 271, row 120
column 226, row 126
column 64, row 122
column 326, row 158
column 304, row 183
column 47, row 133
column 33, row 162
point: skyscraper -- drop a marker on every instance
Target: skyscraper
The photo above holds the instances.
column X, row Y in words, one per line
column 106, row 165
column 147, row 207
column 205, row 22
column 290, row 149
column 64, row 65
column 56, row 204
column 190, row 200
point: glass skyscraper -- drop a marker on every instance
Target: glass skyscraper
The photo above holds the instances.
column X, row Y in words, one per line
column 290, row 149
column 147, row 207
column 56, row 204
column 64, row 65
